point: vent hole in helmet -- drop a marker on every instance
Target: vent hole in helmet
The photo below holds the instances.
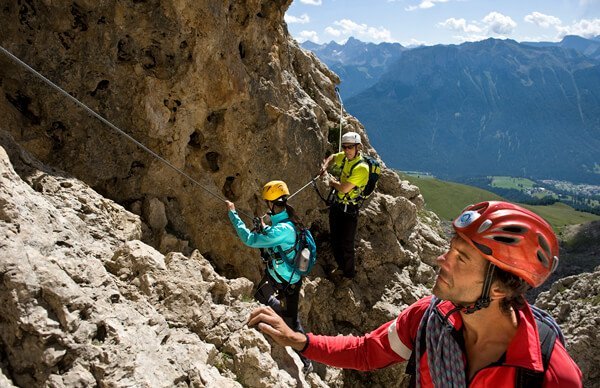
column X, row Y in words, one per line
column 544, row 244
column 483, row 248
column 506, row 239
column 480, row 208
column 543, row 259
column 514, row 229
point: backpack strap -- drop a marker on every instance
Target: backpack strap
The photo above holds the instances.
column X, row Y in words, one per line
column 277, row 251
column 282, row 253
column 362, row 160
column 528, row 378
column 358, row 200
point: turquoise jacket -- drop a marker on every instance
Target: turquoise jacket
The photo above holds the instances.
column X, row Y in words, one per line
column 282, row 234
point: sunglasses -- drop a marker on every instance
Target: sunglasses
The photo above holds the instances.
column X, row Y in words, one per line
column 348, row 147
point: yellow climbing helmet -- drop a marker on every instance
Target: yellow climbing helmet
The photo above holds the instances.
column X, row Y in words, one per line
column 274, row 190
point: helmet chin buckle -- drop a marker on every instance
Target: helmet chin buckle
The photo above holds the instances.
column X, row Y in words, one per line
column 484, row 300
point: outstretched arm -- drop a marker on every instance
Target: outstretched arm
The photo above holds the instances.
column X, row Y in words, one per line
column 368, row 352
column 270, row 237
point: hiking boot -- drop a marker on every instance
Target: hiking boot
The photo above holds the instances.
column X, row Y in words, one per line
column 308, row 366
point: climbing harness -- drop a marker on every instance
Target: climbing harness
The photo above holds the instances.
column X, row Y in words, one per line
column 118, row 130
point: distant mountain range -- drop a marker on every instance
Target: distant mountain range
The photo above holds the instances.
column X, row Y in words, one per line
column 589, row 47
column 359, row 64
column 494, row 107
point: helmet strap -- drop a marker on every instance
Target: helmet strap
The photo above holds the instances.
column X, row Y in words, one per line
column 484, row 300
column 280, row 202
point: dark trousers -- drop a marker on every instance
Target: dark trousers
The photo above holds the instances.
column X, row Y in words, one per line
column 283, row 299
column 342, row 226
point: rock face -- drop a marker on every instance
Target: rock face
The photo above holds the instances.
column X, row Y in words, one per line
column 118, row 271
column 83, row 303
column 220, row 91
column 575, row 303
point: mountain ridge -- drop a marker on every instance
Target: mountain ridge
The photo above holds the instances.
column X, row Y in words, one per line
column 492, row 107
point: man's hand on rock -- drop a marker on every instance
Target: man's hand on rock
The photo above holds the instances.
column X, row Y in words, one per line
column 270, row 323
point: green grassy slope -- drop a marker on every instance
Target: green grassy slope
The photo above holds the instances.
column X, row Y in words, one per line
column 448, row 199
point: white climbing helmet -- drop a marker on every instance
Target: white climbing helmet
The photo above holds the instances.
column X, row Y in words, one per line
column 351, row 138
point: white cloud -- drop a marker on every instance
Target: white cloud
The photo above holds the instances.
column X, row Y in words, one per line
column 542, row 20
column 312, row 2
column 499, row 23
column 585, row 27
column 425, row 4
column 303, row 36
column 347, row 27
column 460, row 25
column 415, row 43
column 333, row 32
column 303, row 19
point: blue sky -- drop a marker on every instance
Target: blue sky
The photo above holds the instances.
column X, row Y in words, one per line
column 412, row 22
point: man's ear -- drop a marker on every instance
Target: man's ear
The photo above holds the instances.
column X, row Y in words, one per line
column 497, row 291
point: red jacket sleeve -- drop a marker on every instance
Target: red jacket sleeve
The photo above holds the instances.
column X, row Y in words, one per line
column 390, row 343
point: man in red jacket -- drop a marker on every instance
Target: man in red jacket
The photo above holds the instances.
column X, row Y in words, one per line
column 477, row 330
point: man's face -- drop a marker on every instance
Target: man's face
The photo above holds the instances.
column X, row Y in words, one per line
column 349, row 150
column 461, row 273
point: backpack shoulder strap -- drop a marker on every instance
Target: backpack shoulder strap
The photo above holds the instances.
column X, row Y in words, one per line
column 526, row 377
column 362, row 160
column 547, row 341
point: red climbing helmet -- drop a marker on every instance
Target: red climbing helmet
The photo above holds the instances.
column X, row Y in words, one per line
column 513, row 238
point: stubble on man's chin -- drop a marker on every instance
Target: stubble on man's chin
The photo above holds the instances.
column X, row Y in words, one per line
column 437, row 290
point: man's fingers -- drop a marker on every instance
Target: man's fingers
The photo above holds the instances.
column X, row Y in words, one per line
column 269, row 330
column 262, row 314
column 265, row 318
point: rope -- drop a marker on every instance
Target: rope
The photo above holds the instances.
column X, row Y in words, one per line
column 105, row 121
column 337, row 91
column 303, row 187
column 444, row 356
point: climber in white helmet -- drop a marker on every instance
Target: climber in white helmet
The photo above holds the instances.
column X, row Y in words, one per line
column 349, row 176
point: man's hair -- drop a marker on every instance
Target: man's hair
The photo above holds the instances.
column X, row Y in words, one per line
column 515, row 289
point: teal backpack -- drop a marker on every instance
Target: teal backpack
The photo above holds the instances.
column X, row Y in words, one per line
column 305, row 250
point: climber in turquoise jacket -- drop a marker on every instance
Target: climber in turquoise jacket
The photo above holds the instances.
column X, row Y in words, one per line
column 280, row 286
column 280, row 234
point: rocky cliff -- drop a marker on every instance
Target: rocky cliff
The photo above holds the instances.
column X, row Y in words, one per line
column 222, row 92
column 574, row 302
column 115, row 269
column 84, row 303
